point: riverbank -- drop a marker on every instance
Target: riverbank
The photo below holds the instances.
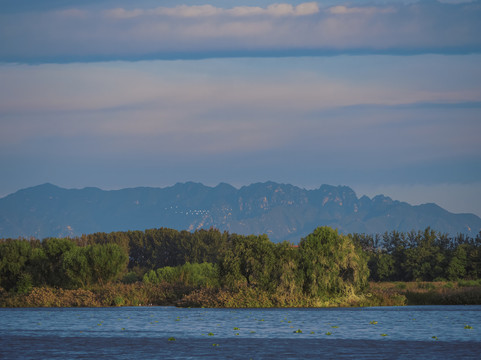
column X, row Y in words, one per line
column 140, row 294
column 463, row 292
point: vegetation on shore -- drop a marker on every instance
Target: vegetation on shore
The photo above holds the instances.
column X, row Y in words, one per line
column 208, row 268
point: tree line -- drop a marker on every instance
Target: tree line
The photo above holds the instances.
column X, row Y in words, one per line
column 325, row 263
column 421, row 256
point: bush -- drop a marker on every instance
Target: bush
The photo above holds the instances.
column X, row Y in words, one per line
column 466, row 283
column 196, row 275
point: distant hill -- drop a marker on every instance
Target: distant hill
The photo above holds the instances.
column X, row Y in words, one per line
column 282, row 211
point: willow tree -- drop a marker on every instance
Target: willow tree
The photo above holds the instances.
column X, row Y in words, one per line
column 249, row 260
column 331, row 263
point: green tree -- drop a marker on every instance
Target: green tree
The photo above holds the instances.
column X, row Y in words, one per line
column 395, row 244
column 107, row 262
column 332, row 264
column 381, row 266
column 424, row 259
column 458, row 263
column 76, row 266
column 15, row 257
column 249, row 260
column 287, row 275
column 54, row 249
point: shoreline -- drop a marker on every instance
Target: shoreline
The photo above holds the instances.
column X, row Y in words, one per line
column 144, row 295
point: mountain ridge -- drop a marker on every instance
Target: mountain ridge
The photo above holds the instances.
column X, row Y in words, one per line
column 282, row 211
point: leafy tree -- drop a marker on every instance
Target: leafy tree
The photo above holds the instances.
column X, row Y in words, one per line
column 396, row 244
column 458, row 263
column 332, row 264
column 381, row 266
column 424, row 259
column 249, row 260
column 287, row 275
column 54, row 249
column 76, row 266
column 15, row 256
column 107, row 262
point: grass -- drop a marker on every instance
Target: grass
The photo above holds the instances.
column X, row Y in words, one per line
column 462, row 292
column 430, row 293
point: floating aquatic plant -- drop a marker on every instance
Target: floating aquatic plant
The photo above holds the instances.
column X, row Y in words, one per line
column 434, row 337
column 298, row 331
column 373, row 322
column 468, row 327
column 328, row 333
column 215, row 344
column 171, row 338
column 312, row 332
column 383, row 334
column 335, row 327
column 237, row 334
column 236, row 328
column 210, row 334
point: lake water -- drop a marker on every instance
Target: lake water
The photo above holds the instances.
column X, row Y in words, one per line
column 436, row 332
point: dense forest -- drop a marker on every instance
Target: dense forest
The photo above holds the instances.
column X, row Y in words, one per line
column 209, row 264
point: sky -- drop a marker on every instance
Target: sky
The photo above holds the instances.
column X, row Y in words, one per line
column 381, row 96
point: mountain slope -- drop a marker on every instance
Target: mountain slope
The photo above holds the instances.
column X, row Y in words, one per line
column 283, row 212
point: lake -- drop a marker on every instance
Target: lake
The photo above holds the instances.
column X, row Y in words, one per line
column 168, row 332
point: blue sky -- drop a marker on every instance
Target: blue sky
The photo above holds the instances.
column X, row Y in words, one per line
column 382, row 96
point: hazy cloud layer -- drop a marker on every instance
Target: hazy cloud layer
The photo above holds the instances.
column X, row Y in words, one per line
column 225, row 106
column 193, row 31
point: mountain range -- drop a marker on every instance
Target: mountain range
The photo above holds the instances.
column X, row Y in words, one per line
column 282, row 211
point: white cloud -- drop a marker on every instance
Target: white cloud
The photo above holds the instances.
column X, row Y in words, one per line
column 120, row 13
column 307, row 8
column 367, row 10
column 188, row 11
column 206, row 30
column 196, row 11
column 245, row 11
